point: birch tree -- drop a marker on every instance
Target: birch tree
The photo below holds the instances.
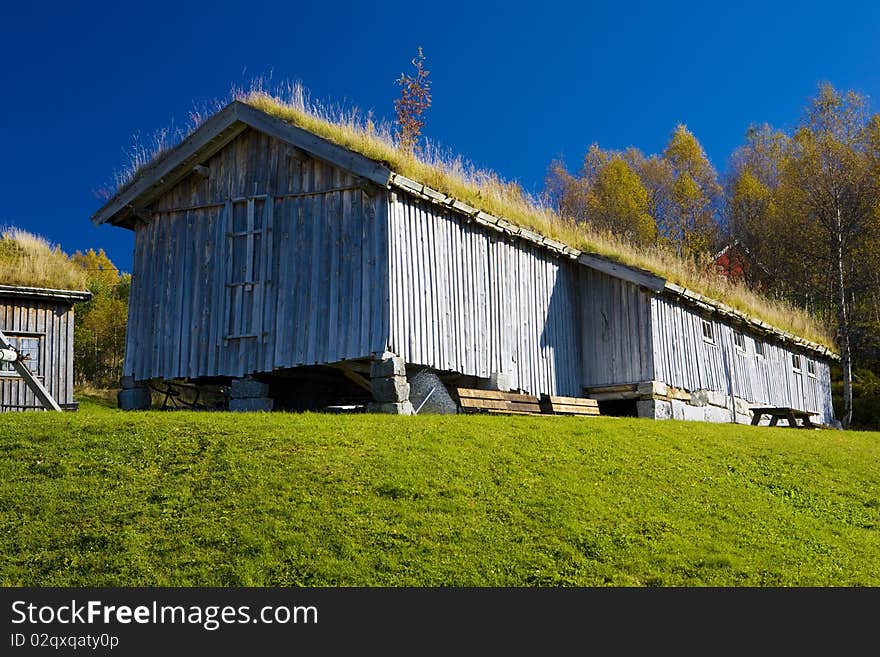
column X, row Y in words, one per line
column 753, row 219
column 689, row 222
column 830, row 184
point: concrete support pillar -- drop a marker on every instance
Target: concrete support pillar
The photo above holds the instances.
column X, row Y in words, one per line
column 249, row 395
column 134, row 396
column 390, row 387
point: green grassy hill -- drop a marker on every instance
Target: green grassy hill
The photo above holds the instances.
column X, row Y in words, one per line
column 102, row 497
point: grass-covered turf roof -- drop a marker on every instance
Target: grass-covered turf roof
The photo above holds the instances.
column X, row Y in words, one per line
column 487, row 191
column 28, row 260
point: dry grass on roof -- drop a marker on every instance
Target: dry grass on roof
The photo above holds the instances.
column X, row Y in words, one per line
column 29, row 260
column 486, row 190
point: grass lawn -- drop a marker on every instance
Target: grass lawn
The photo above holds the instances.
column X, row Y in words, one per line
column 106, row 498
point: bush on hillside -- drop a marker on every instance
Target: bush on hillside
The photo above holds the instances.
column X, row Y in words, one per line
column 99, row 335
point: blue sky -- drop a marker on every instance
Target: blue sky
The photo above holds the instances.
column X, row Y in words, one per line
column 514, row 85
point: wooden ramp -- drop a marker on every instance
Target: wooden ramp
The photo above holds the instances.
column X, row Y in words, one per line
column 495, row 401
column 569, row 405
column 511, row 403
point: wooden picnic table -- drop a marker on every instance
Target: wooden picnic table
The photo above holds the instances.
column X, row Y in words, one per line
column 777, row 413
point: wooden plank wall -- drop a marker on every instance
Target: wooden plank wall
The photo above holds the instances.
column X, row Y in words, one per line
column 474, row 301
column 616, row 338
column 319, row 263
column 338, row 274
column 54, row 322
column 685, row 360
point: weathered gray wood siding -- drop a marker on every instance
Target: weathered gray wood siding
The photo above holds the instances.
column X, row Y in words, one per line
column 52, row 323
column 616, row 330
column 270, row 262
column 686, row 360
column 474, row 301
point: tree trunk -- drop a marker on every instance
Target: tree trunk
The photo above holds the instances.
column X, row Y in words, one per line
column 843, row 324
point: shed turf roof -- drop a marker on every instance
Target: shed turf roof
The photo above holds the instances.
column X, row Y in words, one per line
column 483, row 196
column 28, row 261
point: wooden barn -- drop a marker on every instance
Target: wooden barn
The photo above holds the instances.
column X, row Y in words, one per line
column 38, row 324
column 298, row 273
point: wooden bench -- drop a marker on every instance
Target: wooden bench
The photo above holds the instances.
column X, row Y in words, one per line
column 569, row 405
column 777, row 413
column 495, row 401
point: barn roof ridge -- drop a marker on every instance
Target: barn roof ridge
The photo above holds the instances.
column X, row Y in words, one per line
column 222, row 127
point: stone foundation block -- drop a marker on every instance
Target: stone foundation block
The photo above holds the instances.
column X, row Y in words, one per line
column 427, row 394
column 134, row 399
column 390, row 389
column 654, row 408
column 686, row 411
column 743, row 407
column 394, row 366
column 249, row 404
column 503, row 381
column 392, row 408
column 718, row 414
column 743, row 419
column 718, row 398
column 244, row 388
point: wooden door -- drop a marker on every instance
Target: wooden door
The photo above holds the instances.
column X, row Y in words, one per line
column 248, row 252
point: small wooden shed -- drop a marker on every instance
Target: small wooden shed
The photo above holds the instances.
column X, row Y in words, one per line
column 38, row 322
column 277, row 263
